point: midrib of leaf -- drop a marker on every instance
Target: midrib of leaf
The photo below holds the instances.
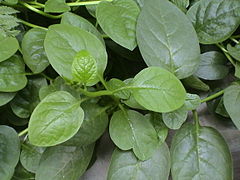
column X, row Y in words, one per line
column 197, row 151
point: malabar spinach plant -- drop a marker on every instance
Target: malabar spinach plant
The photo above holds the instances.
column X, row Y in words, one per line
column 136, row 70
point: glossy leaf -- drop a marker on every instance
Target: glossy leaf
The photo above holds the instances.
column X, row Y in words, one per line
column 33, row 52
column 63, row 41
column 56, row 119
column 165, row 36
column 28, row 98
column 231, row 101
column 6, row 97
column 195, row 83
column 64, row 162
column 56, row 6
column 8, row 47
column 212, row 66
column 10, row 151
column 125, row 13
column 131, row 130
column 234, row 51
column 84, row 68
column 200, row 153
column 12, row 76
column 125, row 166
column 215, row 20
column 158, row 90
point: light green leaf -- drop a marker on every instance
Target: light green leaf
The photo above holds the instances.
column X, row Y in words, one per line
column 125, row 166
column 33, row 52
column 215, row 20
column 12, row 76
column 84, row 68
column 10, row 152
column 56, row 6
column 28, row 98
column 192, row 101
column 231, row 100
column 94, row 124
column 63, row 41
column 175, row 119
column 114, row 84
column 30, row 157
column 131, row 130
column 80, row 22
column 234, row 51
column 125, row 13
column 6, row 97
column 165, row 37
column 158, row 90
column 8, row 47
column 181, row 4
column 195, row 83
column 56, row 119
column 212, row 66
column 64, row 162
column 200, row 153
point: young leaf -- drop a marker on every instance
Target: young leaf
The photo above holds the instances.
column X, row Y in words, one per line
column 64, row 162
column 84, row 68
column 56, row 6
column 56, row 119
column 165, row 37
column 158, row 90
column 212, row 66
column 28, row 98
column 78, row 21
column 33, row 52
column 10, row 151
column 192, row 102
column 200, row 153
column 231, row 100
column 215, row 20
column 125, row 166
column 114, row 84
column 195, row 83
column 30, row 157
column 8, row 47
column 131, row 130
column 63, row 41
column 12, row 76
column 234, row 51
column 6, row 97
column 175, row 119
column 125, row 13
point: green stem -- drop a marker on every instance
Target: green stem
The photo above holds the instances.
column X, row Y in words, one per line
column 84, row 3
column 39, row 11
column 196, row 119
column 31, row 25
column 47, row 77
column 234, row 40
column 209, row 98
column 95, row 94
column 226, row 54
column 37, row 3
column 236, row 36
column 23, row 132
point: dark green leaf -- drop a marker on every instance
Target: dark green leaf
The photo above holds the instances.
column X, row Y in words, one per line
column 6, row 97
column 22, row 174
column 181, row 4
column 56, row 6
column 195, row 83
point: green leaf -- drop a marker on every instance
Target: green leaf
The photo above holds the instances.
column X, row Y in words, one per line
column 8, row 47
column 234, row 51
column 131, row 130
column 125, row 13
column 237, row 70
column 10, row 151
column 140, row 3
column 195, row 83
column 181, row 4
column 28, row 98
column 63, row 42
column 125, row 166
column 30, row 156
column 80, row 22
column 221, row 110
column 192, row 102
column 94, row 124
column 6, row 97
column 114, row 84
column 22, row 174
column 155, row 83
column 212, row 66
column 6, row 10
column 200, row 153
column 167, row 39
column 64, row 162
column 56, row 119
column 215, row 20
column 84, row 68
column 33, row 52
column 175, row 119
column 57, row 85
column 12, row 76
column 56, row 6
column 12, row 2
column 231, row 100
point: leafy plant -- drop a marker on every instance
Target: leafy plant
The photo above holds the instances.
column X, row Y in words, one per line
column 134, row 70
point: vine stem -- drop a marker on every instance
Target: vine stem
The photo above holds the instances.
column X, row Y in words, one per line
column 31, row 25
column 84, row 3
column 209, row 98
column 23, row 132
column 234, row 40
column 226, row 54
